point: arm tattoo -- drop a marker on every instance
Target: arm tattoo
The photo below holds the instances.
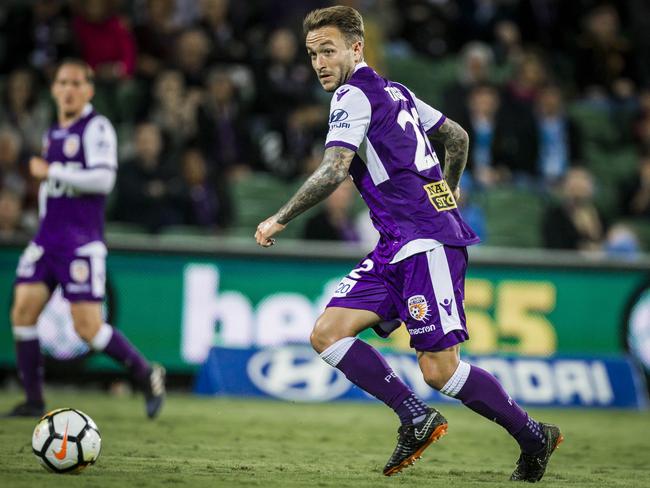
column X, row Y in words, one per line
column 329, row 175
column 456, row 142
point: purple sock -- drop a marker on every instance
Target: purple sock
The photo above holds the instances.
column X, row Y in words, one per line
column 112, row 342
column 365, row 367
column 482, row 393
column 29, row 362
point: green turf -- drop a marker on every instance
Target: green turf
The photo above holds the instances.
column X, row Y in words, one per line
column 224, row 442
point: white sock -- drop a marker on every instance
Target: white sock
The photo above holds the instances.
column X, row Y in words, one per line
column 457, row 380
column 102, row 337
column 333, row 354
column 25, row 333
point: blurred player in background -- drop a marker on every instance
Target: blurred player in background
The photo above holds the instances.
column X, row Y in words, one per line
column 77, row 172
column 378, row 135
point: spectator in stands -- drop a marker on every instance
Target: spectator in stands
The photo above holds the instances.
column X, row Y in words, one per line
column 155, row 38
column 23, row 110
column 288, row 150
column 635, row 191
column 622, row 242
column 478, row 18
column 548, row 23
column 38, row 33
column 105, row 42
column 560, row 142
column 530, row 77
column 10, row 213
column 508, row 48
column 294, row 121
column 192, row 56
column 10, row 171
column 428, row 28
column 226, row 43
column 476, row 60
column 283, row 79
column 222, row 123
column 204, row 198
column 483, row 108
column 605, row 59
column 575, row 222
column 174, row 109
column 143, row 188
column 503, row 142
column 334, row 222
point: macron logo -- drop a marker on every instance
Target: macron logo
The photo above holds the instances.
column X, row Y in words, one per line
column 340, row 94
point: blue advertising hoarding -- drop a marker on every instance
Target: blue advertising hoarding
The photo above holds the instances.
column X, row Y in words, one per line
column 296, row 373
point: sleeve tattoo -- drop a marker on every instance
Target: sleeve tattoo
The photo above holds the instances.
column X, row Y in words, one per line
column 329, row 175
column 456, row 142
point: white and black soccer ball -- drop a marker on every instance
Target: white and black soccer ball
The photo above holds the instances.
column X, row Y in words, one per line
column 66, row 441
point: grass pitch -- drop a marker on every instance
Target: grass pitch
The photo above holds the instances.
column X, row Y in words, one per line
column 227, row 442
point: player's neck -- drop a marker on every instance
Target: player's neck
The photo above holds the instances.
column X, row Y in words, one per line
column 67, row 119
column 355, row 68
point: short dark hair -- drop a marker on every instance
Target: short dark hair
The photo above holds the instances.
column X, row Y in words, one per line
column 80, row 63
column 345, row 19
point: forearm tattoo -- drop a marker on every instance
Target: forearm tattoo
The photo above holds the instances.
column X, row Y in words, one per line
column 329, row 175
column 456, row 142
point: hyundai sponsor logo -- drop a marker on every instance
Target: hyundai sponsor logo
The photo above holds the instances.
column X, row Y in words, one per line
column 296, row 373
column 338, row 115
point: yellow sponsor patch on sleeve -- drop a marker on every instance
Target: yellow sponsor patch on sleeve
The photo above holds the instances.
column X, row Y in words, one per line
column 440, row 195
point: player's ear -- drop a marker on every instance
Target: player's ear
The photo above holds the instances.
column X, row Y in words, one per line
column 357, row 49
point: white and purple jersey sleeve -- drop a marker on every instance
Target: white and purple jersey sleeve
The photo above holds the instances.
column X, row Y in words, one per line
column 349, row 119
column 100, row 144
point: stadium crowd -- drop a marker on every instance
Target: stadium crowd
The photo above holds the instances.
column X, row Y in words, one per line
column 207, row 94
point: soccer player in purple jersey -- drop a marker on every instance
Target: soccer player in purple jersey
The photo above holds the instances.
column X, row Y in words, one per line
column 378, row 135
column 77, row 171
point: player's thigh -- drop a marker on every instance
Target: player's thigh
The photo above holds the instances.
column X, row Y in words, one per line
column 29, row 301
column 87, row 318
column 438, row 366
column 359, row 301
column 335, row 323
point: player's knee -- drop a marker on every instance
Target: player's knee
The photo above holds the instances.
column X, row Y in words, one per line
column 325, row 333
column 319, row 336
column 435, row 379
column 437, row 374
column 22, row 313
column 86, row 329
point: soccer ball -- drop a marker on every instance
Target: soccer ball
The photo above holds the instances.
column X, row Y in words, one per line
column 66, row 441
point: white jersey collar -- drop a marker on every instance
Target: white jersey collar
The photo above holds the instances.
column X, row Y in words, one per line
column 87, row 109
column 360, row 65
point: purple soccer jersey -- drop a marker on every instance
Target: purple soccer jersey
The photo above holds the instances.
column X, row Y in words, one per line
column 71, row 219
column 68, row 248
column 395, row 169
column 417, row 271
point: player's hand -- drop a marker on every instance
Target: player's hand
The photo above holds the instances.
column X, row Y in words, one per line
column 456, row 194
column 266, row 230
column 38, row 168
